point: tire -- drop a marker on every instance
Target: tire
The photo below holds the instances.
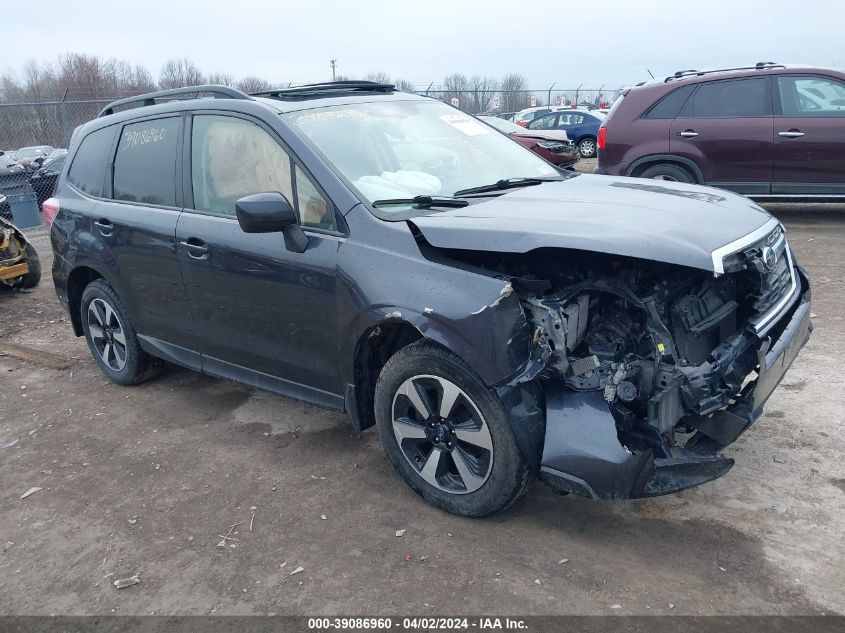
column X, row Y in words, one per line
column 101, row 309
column 31, row 279
column 473, row 475
column 587, row 147
column 667, row 171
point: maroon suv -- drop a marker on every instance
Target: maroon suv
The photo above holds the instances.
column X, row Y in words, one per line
column 768, row 131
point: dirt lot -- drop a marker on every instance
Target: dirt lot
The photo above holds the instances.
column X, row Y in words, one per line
column 145, row 480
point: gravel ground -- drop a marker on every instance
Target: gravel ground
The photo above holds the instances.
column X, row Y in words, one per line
column 146, row 480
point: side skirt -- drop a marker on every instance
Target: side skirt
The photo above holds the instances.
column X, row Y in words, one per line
column 229, row 371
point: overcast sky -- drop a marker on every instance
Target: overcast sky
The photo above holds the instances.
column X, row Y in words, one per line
column 569, row 42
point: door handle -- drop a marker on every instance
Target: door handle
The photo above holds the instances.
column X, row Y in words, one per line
column 688, row 133
column 106, row 227
column 791, row 134
column 196, row 248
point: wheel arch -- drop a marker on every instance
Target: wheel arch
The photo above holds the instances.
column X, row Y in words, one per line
column 77, row 281
column 641, row 164
column 375, row 346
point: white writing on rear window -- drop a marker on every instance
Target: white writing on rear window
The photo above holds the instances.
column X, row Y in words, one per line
column 134, row 138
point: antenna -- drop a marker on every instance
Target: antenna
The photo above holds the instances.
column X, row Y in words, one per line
column 650, row 73
column 333, row 62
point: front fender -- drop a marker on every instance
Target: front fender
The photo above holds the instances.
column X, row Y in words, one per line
column 476, row 316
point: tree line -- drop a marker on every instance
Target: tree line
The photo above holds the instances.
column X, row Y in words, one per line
column 77, row 77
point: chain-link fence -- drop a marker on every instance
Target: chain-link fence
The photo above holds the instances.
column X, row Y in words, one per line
column 33, row 141
column 501, row 102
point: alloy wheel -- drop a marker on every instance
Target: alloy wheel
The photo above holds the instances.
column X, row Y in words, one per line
column 107, row 334
column 442, row 434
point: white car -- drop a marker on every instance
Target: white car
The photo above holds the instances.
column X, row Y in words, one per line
column 528, row 114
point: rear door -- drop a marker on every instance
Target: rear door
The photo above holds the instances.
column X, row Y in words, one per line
column 726, row 129
column 264, row 315
column 809, row 135
column 129, row 219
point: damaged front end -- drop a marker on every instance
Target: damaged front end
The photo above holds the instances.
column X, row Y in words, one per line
column 650, row 369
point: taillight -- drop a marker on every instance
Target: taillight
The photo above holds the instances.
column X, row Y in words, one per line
column 601, row 142
column 49, row 210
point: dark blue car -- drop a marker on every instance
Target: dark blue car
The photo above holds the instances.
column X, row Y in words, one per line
column 581, row 127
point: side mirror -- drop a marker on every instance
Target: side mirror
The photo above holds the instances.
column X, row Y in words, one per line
column 270, row 213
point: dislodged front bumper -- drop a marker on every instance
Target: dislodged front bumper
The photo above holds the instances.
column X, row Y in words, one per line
column 583, row 453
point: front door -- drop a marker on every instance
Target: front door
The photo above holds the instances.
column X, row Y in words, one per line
column 263, row 314
column 809, row 136
column 726, row 129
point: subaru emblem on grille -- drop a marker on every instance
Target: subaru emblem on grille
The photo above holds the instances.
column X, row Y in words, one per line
column 770, row 258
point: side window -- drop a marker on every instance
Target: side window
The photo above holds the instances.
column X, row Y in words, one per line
column 811, row 97
column 88, row 169
column 314, row 211
column 736, row 98
column 145, row 162
column 55, row 165
column 232, row 158
column 576, row 119
column 670, row 105
column 543, row 123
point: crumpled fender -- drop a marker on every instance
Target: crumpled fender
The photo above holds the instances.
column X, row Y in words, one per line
column 494, row 339
column 479, row 317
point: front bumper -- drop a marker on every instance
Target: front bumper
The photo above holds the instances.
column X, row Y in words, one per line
column 583, row 452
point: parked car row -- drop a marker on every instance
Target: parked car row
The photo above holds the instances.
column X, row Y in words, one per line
column 553, row 145
column 37, row 175
column 768, row 131
column 580, row 125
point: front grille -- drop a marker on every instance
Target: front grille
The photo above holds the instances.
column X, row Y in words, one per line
column 775, row 285
column 771, row 259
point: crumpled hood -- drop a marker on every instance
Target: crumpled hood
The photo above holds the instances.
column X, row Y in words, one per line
column 650, row 219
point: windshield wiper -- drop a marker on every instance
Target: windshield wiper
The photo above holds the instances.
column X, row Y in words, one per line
column 423, row 202
column 508, row 183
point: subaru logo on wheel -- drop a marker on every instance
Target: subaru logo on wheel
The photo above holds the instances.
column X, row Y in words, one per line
column 770, row 258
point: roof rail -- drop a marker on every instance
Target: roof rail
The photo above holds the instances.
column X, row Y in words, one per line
column 697, row 73
column 148, row 99
column 327, row 88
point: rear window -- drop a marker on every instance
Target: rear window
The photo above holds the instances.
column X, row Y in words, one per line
column 88, row 169
column 737, row 98
column 669, row 106
column 145, row 163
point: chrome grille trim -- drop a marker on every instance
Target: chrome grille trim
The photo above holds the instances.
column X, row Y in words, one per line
column 737, row 245
column 763, row 322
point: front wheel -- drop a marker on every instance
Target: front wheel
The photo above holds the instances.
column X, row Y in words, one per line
column 587, row 147
column 446, row 434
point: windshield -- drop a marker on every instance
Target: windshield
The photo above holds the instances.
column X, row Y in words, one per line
column 403, row 149
column 503, row 126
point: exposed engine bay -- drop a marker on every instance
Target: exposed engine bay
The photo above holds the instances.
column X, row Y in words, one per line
column 668, row 352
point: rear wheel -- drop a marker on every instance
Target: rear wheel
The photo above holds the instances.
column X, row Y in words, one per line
column 446, row 434
column 112, row 339
column 666, row 171
column 587, row 147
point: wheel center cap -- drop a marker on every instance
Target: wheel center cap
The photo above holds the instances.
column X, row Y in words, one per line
column 441, row 433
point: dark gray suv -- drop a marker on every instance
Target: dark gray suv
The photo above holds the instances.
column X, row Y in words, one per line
column 389, row 256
